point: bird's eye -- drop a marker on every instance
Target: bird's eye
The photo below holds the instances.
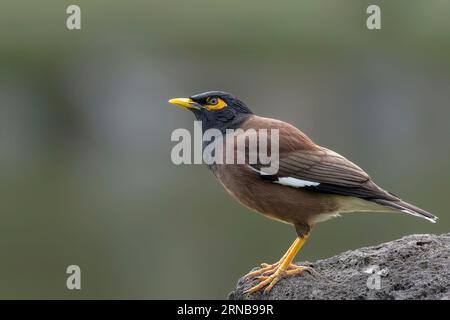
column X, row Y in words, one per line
column 212, row 101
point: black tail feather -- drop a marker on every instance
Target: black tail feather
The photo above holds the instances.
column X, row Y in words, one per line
column 407, row 208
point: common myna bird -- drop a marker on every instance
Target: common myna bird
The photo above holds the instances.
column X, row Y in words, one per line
column 312, row 183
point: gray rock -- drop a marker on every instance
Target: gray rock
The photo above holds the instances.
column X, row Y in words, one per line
column 413, row 267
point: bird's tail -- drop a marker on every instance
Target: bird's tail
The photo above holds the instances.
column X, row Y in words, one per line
column 407, row 208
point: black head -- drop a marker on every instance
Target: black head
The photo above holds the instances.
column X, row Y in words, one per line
column 216, row 109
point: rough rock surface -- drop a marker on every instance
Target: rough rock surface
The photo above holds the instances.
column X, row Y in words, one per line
column 413, row 267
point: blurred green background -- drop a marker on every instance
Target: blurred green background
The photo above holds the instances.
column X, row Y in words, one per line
column 85, row 170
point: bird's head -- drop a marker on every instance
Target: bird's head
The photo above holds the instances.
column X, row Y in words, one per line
column 216, row 109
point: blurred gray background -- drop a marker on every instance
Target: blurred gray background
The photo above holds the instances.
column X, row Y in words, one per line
column 85, row 170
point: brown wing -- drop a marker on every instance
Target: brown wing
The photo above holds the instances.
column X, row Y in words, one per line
column 325, row 171
column 304, row 164
column 324, row 166
column 332, row 172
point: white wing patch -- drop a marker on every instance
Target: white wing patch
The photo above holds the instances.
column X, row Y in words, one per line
column 296, row 183
column 289, row 181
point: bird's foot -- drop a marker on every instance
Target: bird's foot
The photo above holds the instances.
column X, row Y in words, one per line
column 271, row 274
column 265, row 268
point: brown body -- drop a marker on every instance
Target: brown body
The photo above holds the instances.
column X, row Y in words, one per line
column 296, row 206
column 302, row 207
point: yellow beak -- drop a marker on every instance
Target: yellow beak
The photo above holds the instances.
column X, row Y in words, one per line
column 185, row 103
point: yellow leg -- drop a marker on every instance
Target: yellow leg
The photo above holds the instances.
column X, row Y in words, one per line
column 268, row 267
column 283, row 268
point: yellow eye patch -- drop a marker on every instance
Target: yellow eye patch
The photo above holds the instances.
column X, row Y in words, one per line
column 215, row 104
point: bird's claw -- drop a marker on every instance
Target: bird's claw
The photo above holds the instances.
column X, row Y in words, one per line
column 274, row 274
column 265, row 268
